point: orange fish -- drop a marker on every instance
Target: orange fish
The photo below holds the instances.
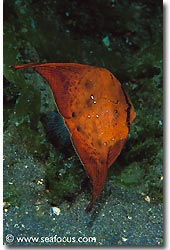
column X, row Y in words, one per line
column 96, row 111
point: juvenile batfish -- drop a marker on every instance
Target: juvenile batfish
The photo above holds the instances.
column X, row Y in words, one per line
column 96, row 111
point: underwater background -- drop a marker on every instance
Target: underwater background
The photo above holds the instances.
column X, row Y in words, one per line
column 41, row 168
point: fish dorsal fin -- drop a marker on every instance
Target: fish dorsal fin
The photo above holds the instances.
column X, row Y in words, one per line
column 63, row 79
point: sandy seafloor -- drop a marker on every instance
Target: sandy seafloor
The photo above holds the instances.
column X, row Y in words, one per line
column 124, row 218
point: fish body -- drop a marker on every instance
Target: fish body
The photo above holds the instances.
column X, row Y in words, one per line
column 96, row 110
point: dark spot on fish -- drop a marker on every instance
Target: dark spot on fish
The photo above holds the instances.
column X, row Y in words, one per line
column 116, row 113
column 78, row 128
column 102, row 162
column 99, row 143
column 74, row 87
column 117, row 102
column 88, row 84
column 89, row 103
column 73, row 114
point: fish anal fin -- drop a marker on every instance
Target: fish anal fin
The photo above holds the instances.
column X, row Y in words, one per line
column 95, row 166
